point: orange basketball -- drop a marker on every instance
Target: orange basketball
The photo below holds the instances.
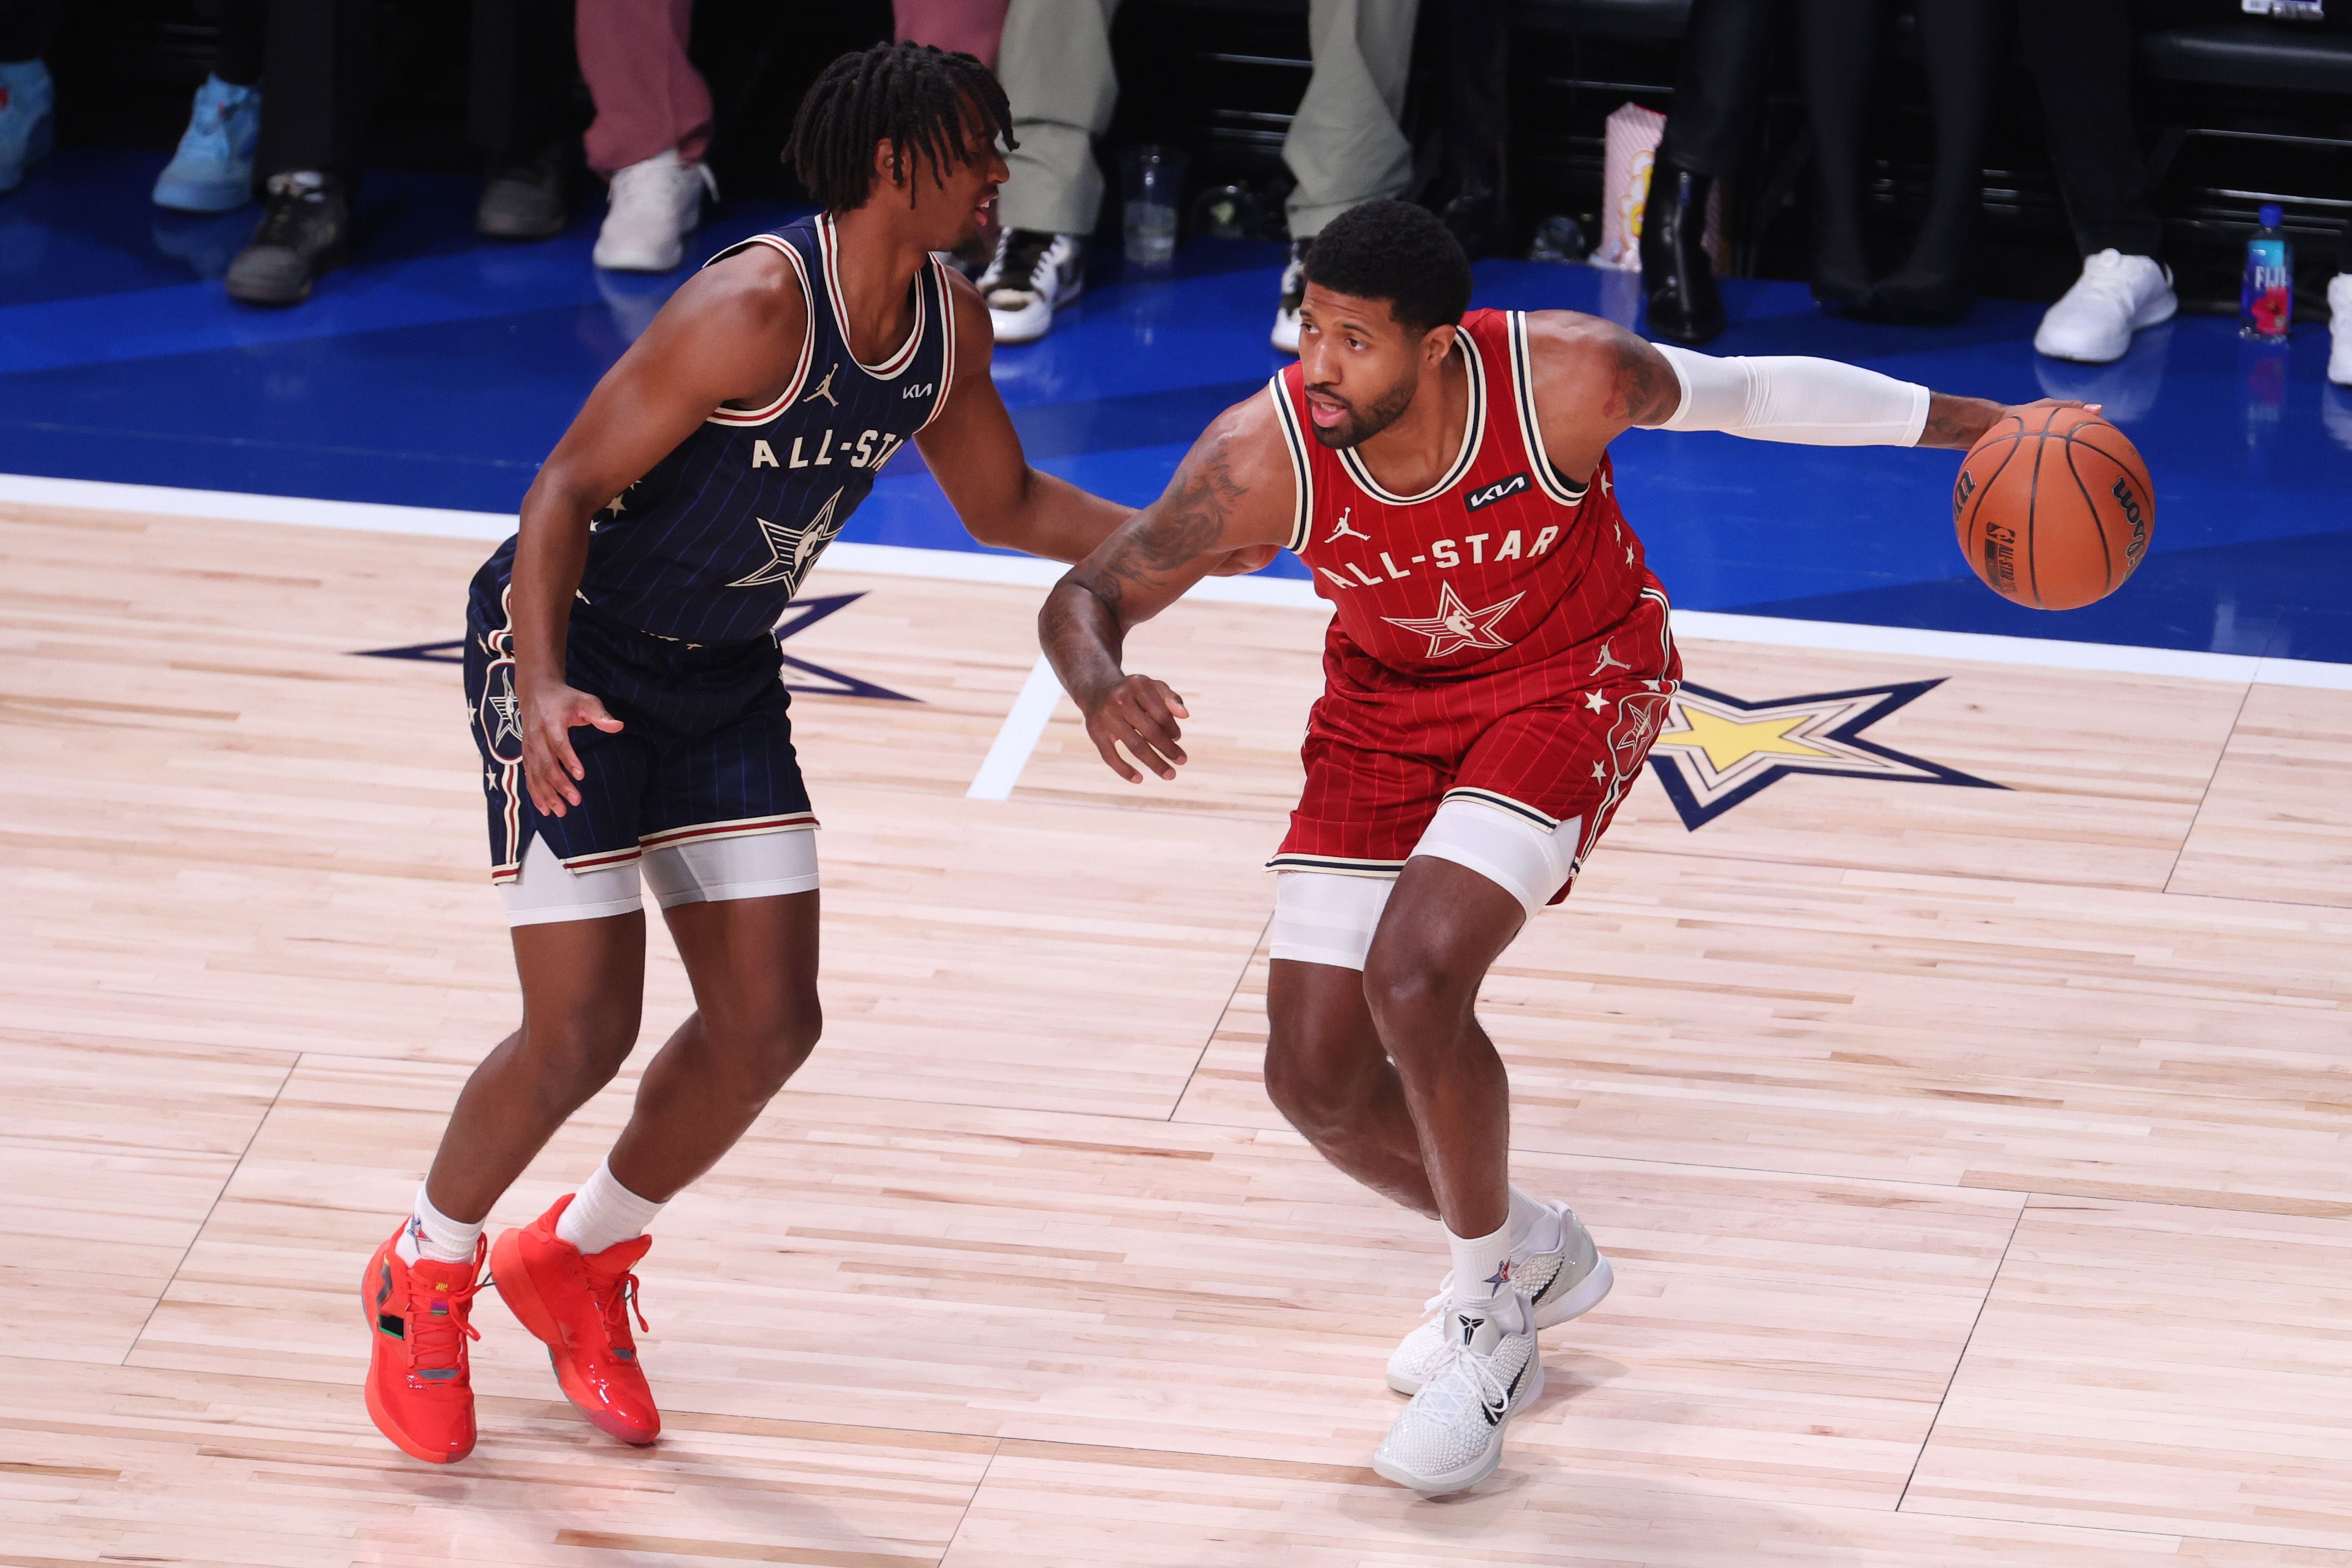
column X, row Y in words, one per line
column 2054, row 508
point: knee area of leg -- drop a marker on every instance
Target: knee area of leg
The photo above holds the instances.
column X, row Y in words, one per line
column 1315, row 1084
column 1410, row 986
column 772, row 1050
column 583, row 1051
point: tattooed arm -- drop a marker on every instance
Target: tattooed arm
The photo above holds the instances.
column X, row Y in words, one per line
column 1232, row 498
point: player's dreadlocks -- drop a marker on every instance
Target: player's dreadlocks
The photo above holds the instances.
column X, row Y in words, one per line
column 931, row 105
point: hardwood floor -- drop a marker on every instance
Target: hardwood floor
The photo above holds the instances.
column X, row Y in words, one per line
column 1973, row 1160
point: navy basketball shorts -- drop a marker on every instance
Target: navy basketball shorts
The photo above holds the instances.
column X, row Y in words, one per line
column 700, row 790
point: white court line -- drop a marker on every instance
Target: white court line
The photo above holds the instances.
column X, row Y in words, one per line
column 1018, row 736
column 971, row 566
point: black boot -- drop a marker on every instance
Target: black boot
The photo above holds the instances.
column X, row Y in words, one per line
column 527, row 198
column 302, row 236
column 1675, row 274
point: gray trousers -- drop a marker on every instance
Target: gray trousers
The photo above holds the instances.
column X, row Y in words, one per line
column 1344, row 146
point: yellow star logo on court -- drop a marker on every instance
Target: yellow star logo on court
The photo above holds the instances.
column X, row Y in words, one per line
column 1728, row 743
column 1716, row 750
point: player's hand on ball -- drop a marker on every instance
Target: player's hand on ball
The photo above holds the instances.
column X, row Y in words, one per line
column 1140, row 714
column 550, row 768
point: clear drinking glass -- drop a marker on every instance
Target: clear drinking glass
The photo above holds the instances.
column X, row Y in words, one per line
column 1155, row 183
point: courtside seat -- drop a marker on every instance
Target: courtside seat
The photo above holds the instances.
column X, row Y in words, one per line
column 2251, row 53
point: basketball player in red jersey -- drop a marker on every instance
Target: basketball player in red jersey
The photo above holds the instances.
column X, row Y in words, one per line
column 1498, row 663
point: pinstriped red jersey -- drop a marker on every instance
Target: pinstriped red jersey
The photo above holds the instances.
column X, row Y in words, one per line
column 1503, row 563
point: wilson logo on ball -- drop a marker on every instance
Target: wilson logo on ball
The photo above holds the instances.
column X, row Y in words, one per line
column 2052, row 507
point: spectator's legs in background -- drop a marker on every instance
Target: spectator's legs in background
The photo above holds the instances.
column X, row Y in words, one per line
column 652, row 121
column 212, row 170
column 520, row 113
column 319, row 80
column 1718, row 101
column 1055, row 65
column 1839, row 39
column 971, row 27
column 1961, row 40
column 974, row 28
column 28, row 100
column 2081, row 56
column 1346, row 144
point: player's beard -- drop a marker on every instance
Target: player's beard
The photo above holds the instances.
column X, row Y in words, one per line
column 1360, row 427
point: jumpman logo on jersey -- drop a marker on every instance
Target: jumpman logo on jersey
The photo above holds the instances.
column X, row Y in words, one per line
column 1456, row 625
column 1341, row 529
column 825, row 388
column 1608, row 660
column 792, row 550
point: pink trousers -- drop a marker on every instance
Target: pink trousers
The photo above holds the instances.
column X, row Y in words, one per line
column 649, row 96
column 975, row 26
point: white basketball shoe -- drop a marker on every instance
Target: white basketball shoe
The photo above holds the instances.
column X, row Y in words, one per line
column 1450, row 1436
column 1560, row 1274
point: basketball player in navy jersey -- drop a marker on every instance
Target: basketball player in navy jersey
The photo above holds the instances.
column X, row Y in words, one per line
column 1498, row 664
column 624, row 682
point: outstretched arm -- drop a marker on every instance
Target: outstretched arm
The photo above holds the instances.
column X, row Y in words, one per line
column 1594, row 379
column 973, row 451
column 1232, row 497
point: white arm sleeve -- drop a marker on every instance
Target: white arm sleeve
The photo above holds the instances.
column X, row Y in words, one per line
column 1815, row 402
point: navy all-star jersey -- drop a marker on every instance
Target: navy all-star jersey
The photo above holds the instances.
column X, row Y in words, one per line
column 711, row 544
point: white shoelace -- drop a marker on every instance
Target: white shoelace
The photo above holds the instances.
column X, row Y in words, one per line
column 1465, row 1376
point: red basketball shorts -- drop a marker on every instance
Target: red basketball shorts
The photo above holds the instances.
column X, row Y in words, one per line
column 1558, row 744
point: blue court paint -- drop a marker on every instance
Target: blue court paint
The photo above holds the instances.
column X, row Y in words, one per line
column 439, row 370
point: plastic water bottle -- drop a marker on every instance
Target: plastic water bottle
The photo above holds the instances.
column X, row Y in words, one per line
column 2266, row 298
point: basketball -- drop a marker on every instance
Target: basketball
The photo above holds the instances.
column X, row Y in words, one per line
column 2053, row 508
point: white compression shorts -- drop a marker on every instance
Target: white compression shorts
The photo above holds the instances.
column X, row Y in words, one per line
column 1324, row 917
column 1813, row 402
column 756, row 866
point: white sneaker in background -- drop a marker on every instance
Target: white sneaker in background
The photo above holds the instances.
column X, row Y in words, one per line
column 1450, row 1436
column 1294, row 294
column 1033, row 274
column 2115, row 296
column 654, row 204
column 2339, row 328
column 1559, row 1273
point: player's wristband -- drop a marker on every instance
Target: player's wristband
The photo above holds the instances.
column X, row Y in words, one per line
column 1814, row 402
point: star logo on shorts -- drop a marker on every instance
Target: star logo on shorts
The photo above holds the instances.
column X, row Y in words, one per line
column 793, row 550
column 503, row 704
column 1456, row 625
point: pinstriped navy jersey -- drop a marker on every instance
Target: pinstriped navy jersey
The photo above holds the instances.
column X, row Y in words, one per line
column 711, row 544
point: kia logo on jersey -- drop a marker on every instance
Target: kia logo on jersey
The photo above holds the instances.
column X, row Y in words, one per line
column 1499, row 489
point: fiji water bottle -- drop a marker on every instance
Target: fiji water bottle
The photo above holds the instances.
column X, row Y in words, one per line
column 2266, row 298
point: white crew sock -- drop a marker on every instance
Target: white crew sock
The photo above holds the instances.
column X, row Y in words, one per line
column 1529, row 1217
column 429, row 1233
column 603, row 1214
column 1476, row 1262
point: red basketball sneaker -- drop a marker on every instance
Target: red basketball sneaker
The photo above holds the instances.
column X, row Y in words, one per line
column 418, row 1387
column 579, row 1304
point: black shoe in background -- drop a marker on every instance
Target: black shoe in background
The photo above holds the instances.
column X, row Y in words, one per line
column 1676, row 277
column 526, row 198
column 302, row 235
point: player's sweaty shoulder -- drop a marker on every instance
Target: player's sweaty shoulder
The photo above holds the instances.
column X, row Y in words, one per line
column 1594, row 378
column 1236, row 487
column 744, row 318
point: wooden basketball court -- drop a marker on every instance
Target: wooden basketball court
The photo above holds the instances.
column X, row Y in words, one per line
column 1974, row 1160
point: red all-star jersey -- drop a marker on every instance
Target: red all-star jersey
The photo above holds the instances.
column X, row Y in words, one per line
column 1503, row 563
